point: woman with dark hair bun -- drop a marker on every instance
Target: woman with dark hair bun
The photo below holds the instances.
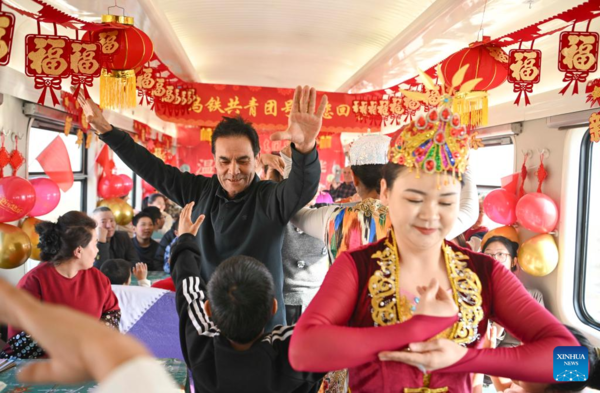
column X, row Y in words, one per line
column 66, row 277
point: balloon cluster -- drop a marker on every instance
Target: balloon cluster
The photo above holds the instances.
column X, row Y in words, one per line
column 20, row 198
column 536, row 212
column 114, row 186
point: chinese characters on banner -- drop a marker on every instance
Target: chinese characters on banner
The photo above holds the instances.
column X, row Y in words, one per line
column 47, row 60
column 577, row 57
column 267, row 108
column 525, row 66
column 7, row 28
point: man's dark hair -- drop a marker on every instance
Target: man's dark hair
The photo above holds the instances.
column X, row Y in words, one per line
column 139, row 216
column 235, row 127
column 101, row 209
column 118, row 271
column 241, row 293
column 153, row 212
column 370, row 175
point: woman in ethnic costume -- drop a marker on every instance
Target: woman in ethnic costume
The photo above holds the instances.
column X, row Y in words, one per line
column 373, row 304
column 345, row 228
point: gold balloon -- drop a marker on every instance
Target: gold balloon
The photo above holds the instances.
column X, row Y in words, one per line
column 15, row 247
column 28, row 226
column 538, row 256
column 507, row 231
column 121, row 209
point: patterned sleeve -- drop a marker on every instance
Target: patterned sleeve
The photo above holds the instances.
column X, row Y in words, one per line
column 112, row 318
column 23, row 346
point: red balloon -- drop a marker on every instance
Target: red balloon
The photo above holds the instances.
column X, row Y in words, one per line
column 47, row 196
column 499, row 205
column 17, row 198
column 537, row 212
column 127, row 184
column 111, row 186
column 147, row 187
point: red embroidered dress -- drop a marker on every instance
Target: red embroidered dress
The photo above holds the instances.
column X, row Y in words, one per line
column 356, row 315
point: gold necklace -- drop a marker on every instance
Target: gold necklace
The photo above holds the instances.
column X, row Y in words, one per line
column 389, row 307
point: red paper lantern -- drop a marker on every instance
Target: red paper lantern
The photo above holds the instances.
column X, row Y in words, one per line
column 485, row 61
column 125, row 48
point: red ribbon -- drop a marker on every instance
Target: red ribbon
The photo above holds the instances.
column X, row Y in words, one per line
column 574, row 76
column 45, row 83
column 83, row 80
column 523, row 88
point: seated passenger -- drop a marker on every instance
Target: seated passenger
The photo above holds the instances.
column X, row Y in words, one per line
column 157, row 219
column 145, row 247
column 119, row 272
column 112, row 243
column 68, row 250
column 162, row 203
column 222, row 328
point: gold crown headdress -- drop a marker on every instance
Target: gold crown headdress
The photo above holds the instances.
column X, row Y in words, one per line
column 435, row 142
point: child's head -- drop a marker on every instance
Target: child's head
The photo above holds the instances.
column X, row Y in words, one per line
column 118, row 271
column 593, row 381
column 241, row 298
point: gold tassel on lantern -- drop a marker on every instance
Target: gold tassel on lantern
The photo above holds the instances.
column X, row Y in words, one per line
column 206, row 135
column 472, row 108
column 117, row 89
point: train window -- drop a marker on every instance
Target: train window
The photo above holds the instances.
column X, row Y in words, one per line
column 493, row 161
column 587, row 276
column 75, row 198
column 43, row 138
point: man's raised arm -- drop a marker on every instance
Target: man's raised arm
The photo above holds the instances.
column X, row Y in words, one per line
column 170, row 181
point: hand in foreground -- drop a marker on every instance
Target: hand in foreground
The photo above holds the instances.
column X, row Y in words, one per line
column 435, row 302
column 80, row 347
column 304, row 123
column 428, row 356
column 140, row 271
column 185, row 221
column 94, row 114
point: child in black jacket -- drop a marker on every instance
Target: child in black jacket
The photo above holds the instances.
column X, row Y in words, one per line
column 237, row 356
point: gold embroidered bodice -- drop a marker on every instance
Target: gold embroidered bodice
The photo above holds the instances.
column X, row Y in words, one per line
column 389, row 307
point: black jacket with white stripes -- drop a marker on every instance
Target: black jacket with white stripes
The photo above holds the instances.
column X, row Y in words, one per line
column 215, row 365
